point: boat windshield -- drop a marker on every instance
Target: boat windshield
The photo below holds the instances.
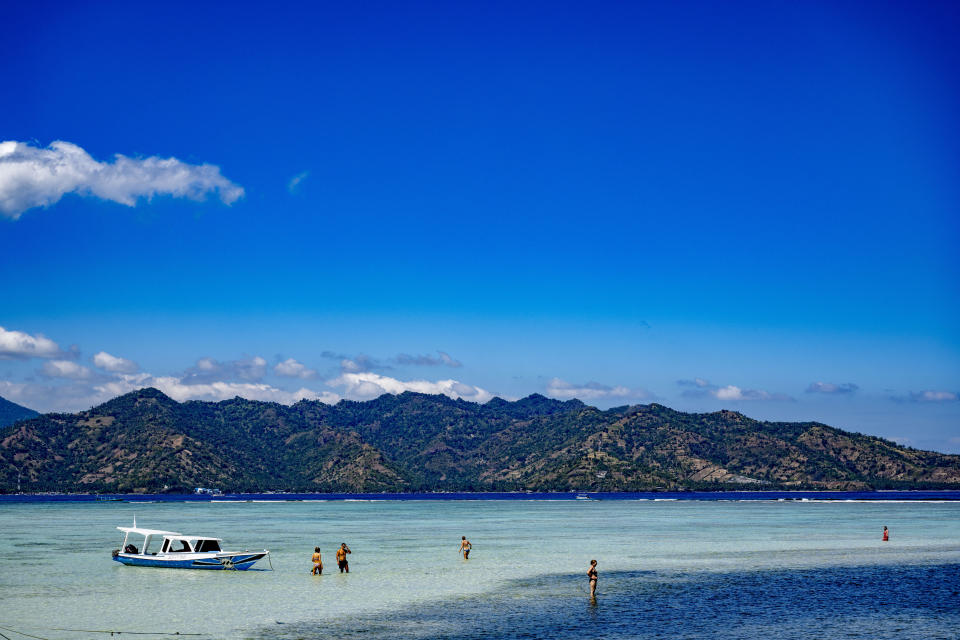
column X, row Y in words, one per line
column 208, row 545
column 176, row 545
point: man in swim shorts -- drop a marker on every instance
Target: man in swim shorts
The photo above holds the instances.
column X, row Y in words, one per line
column 342, row 557
column 465, row 547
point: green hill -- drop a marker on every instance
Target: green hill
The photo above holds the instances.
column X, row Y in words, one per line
column 145, row 442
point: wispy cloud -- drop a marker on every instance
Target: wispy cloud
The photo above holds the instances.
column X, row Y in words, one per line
column 251, row 369
column 296, row 180
column 38, row 177
column 442, row 358
column 366, row 385
column 290, row 368
column 355, row 364
column 114, row 364
column 562, row 389
column 934, row 396
column 20, row 345
column 829, row 388
column 698, row 388
column 66, row 369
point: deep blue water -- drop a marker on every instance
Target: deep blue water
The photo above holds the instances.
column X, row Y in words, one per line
column 646, row 495
column 875, row 603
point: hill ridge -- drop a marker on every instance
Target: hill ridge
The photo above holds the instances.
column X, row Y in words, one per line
column 145, row 441
column 11, row 412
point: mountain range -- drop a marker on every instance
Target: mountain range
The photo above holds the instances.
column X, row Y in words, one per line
column 145, row 441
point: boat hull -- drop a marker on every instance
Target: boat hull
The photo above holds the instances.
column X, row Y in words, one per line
column 208, row 561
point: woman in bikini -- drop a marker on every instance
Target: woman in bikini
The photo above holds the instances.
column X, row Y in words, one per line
column 592, row 574
column 317, row 562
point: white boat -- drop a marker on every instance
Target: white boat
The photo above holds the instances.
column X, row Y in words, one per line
column 179, row 551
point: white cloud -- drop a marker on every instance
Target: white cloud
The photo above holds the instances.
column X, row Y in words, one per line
column 729, row 392
column 37, row 177
column 114, row 364
column 66, row 369
column 290, row 368
column 558, row 388
column 365, row 385
column 17, row 344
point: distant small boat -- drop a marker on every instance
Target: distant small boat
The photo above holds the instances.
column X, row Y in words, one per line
column 583, row 496
column 178, row 551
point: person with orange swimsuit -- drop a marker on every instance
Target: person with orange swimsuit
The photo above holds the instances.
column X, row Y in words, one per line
column 317, row 562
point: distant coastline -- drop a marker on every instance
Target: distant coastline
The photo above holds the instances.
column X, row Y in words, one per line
column 919, row 495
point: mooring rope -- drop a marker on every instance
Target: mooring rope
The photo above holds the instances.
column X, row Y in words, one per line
column 132, row 633
column 129, row 633
column 22, row 634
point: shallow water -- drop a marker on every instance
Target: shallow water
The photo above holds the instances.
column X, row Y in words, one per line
column 686, row 569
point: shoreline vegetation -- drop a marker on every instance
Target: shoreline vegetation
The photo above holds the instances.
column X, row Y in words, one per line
column 147, row 443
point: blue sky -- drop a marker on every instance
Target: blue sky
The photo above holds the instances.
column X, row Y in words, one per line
column 750, row 206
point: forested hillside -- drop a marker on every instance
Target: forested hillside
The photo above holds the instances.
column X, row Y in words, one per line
column 146, row 442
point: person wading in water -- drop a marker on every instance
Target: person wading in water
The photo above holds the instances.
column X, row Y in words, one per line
column 592, row 574
column 465, row 547
column 342, row 557
column 317, row 562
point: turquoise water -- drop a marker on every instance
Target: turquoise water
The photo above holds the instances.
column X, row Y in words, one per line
column 667, row 569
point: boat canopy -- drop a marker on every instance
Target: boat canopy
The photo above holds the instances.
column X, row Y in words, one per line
column 148, row 532
column 148, row 536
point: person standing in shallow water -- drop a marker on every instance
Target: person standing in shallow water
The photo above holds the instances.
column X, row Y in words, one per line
column 592, row 575
column 465, row 547
column 886, row 535
column 317, row 562
column 342, row 557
